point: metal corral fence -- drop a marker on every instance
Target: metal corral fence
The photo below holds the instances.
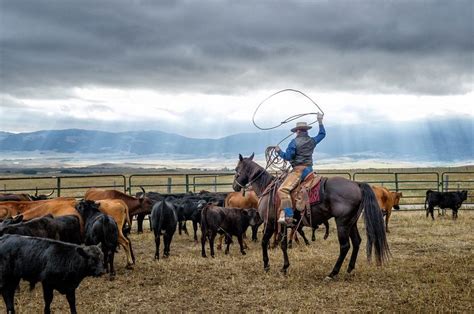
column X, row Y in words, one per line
column 413, row 185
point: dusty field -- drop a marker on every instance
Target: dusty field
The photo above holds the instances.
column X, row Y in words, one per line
column 431, row 270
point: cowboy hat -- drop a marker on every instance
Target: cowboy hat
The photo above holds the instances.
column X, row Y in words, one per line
column 301, row 126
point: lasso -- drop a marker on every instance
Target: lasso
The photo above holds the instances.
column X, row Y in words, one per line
column 273, row 160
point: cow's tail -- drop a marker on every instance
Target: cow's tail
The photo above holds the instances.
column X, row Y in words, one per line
column 374, row 225
column 204, row 223
column 110, row 234
column 160, row 219
column 127, row 226
column 427, row 196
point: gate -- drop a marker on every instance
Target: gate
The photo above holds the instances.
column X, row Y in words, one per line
column 413, row 185
column 458, row 181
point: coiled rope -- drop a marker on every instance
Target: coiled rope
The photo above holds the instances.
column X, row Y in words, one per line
column 273, row 160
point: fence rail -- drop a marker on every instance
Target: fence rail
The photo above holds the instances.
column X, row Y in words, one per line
column 413, row 185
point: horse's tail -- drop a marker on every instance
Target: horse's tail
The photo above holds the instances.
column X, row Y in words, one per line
column 374, row 225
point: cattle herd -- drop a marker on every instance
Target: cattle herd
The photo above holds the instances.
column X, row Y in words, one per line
column 60, row 241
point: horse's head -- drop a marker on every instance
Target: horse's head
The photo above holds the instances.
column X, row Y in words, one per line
column 243, row 172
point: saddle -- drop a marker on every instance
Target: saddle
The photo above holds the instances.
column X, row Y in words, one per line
column 308, row 192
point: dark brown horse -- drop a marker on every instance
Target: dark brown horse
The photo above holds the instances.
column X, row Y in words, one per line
column 343, row 199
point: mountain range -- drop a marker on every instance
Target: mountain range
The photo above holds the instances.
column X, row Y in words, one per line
column 435, row 140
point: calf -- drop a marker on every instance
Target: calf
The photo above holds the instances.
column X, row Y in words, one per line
column 189, row 209
column 164, row 221
column 99, row 228
column 452, row 200
column 228, row 221
column 57, row 265
column 63, row 228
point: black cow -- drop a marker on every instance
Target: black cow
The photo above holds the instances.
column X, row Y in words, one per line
column 57, row 265
column 164, row 221
column 189, row 208
column 100, row 228
column 227, row 221
column 154, row 197
column 63, row 228
column 452, row 200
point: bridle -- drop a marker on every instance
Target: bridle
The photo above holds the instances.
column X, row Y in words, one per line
column 246, row 186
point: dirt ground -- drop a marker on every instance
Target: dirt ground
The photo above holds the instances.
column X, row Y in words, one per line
column 432, row 269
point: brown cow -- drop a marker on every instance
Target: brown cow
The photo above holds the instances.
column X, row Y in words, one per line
column 387, row 200
column 14, row 208
column 118, row 210
column 141, row 205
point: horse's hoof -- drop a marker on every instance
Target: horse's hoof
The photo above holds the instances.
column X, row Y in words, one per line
column 243, row 253
column 266, row 268
column 284, row 271
column 129, row 266
column 328, row 279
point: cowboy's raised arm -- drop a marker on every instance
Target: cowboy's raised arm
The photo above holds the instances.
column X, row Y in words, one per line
column 322, row 134
column 290, row 151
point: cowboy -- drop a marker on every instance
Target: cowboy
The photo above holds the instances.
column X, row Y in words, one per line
column 300, row 155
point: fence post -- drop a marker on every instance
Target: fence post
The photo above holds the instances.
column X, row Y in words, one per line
column 396, row 181
column 446, row 184
column 168, row 189
column 215, row 183
column 187, row 183
column 58, row 185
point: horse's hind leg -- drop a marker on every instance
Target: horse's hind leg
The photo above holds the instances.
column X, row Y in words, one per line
column 355, row 239
column 284, row 248
column 344, row 247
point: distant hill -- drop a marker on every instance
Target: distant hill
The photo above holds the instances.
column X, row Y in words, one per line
column 446, row 140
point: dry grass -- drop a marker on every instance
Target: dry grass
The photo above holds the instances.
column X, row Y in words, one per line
column 431, row 270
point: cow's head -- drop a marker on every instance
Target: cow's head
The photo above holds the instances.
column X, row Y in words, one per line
column 463, row 195
column 396, row 199
column 145, row 202
column 253, row 215
column 94, row 258
column 40, row 197
column 243, row 172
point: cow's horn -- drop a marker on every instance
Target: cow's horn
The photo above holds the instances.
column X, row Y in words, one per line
column 143, row 190
column 50, row 193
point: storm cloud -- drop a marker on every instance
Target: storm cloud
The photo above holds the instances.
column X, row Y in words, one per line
column 49, row 48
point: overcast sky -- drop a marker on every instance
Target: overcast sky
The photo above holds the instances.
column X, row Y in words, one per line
column 200, row 68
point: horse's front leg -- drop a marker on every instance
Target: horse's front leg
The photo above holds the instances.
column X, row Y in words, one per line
column 265, row 241
column 284, row 248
